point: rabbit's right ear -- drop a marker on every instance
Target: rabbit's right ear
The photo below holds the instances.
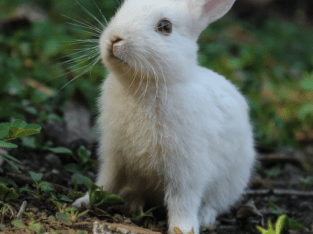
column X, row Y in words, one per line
column 208, row 11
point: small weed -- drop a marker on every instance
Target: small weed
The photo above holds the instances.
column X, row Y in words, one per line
column 139, row 214
column 12, row 131
column 97, row 196
column 289, row 224
column 7, row 193
column 33, row 225
column 306, row 181
column 278, row 227
column 3, row 210
column 70, row 214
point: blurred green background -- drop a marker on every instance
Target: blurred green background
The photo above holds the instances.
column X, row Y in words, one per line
column 271, row 63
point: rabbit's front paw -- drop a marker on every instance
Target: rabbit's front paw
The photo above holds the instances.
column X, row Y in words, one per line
column 183, row 227
column 179, row 231
column 79, row 201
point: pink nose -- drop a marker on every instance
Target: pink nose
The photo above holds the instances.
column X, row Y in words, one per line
column 115, row 49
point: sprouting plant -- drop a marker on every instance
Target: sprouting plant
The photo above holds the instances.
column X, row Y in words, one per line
column 33, row 225
column 306, row 181
column 3, row 210
column 83, row 158
column 97, row 195
column 139, row 214
column 7, row 193
column 70, row 215
column 60, row 206
column 278, row 227
column 12, row 131
column 45, row 187
column 289, row 224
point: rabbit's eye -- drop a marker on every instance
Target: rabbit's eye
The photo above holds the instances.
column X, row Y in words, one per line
column 164, row 27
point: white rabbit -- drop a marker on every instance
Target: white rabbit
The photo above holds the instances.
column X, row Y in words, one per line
column 172, row 132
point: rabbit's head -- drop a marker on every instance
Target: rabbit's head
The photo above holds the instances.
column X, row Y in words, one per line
column 157, row 37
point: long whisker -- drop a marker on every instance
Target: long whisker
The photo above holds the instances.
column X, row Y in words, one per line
column 74, row 70
column 86, row 32
column 81, row 24
column 80, row 41
column 100, row 12
column 81, row 60
column 90, row 50
column 91, row 15
column 93, row 63
column 97, row 32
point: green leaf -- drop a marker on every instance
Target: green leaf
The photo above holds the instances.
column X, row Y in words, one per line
column 294, row 225
column 140, row 214
column 33, row 127
column 65, row 218
column 12, row 164
column 65, row 198
column 80, row 179
column 82, row 213
column 61, row 150
column 75, row 194
column 11, row 158
column 2, row 225
column 18, row 223
column 305, row 110
column 38, row 228
column 35, row 176
column 7, row 145
column 4, row 130
column 3, row 191
column 13, row 131
column 6, row 180
column 52, row 218
column 19, row 123
column 31, row 110
column 26, row 189
column 71, row 209
column 100, row 197
column 84, row 154
column 307, row 82
column 27, row 132
column 73, row 168
column 280, row 223
column 46, row 187
column 12, row 195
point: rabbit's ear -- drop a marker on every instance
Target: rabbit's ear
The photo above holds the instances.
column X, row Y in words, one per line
column 208, row 11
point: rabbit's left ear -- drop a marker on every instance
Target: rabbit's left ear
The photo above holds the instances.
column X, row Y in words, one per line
column 208, row 11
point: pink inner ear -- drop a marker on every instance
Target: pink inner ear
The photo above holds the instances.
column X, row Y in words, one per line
column 211, row 5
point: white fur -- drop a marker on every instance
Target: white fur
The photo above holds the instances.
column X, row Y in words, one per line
column 171, row 131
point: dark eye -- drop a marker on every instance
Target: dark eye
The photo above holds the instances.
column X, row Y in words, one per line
column 164, row 27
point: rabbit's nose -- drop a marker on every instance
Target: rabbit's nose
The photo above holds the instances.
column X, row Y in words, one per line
column 116, row 43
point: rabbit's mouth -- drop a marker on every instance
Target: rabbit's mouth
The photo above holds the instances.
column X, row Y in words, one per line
column 116, row 58
column 116, row 50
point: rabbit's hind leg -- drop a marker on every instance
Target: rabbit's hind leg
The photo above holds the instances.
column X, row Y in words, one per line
column 207, row 215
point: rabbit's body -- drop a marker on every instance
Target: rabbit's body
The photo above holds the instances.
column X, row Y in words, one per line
column 178, row 135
